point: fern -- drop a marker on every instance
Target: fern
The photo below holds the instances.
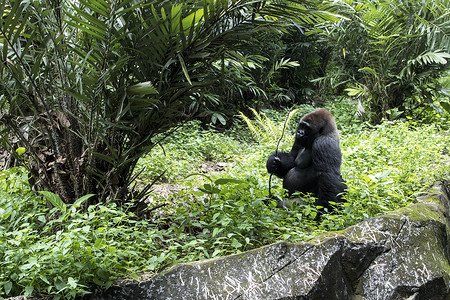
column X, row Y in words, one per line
column 264, row 130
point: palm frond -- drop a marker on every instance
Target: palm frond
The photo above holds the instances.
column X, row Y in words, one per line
column 428, row 58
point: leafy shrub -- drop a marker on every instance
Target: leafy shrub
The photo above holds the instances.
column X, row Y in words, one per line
column 345, row 113
column 62, row 253
column 388, row 167
column 185, row 150
column 383, row 65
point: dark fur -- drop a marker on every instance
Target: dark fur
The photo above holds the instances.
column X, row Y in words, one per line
column 314, row 163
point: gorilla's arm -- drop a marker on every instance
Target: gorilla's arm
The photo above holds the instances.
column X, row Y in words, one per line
column 326, row 155
column 280, row 163
column 327, row 158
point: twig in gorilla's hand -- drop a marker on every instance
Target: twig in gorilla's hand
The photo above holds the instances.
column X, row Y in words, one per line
column 288, row 117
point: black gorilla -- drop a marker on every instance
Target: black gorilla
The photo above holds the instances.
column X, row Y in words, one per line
column 314, row 163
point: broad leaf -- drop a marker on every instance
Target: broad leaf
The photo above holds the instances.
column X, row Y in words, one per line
column 55, row 200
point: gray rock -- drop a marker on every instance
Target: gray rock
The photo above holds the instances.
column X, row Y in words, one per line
column 401, row 255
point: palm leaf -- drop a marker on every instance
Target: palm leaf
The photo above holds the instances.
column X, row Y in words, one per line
column 428, row 58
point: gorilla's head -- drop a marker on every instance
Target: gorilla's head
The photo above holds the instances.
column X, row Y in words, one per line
column 317, row 123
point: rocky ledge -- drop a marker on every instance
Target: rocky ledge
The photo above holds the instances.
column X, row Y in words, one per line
column 401, row 255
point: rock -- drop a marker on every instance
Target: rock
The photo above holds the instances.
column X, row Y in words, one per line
column 401, row 255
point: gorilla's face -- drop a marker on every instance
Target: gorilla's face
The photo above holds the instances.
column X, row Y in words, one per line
column 304, row 136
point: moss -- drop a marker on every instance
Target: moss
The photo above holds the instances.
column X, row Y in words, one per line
column 423, row 212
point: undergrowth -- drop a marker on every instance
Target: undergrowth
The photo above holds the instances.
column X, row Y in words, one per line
column 65, row 251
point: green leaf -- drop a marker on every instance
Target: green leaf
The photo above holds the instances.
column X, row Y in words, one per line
column 72, row 282
column 219, row 117
column 445, row 105
column 99, row 243
column 44, row 279
column 142, row 88
column 103, row 274
column 135, row 277
column 368, row 70
column 355, row 92
column 209, row 189
column 29, row 290
column 193, row 18
column 228, row 180
column 81, row 200
column 20, row 151
column 55, row 200
column 59, row 284
column 7, row 286
column 236, row 244
column 183, row 66
column 216, row 231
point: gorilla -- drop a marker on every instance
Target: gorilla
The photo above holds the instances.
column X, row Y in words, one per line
column 314, row 163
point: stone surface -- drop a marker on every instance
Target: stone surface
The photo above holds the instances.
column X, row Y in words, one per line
column 401, row 255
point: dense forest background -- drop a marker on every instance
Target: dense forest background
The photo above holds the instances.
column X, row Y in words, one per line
column 134, row 133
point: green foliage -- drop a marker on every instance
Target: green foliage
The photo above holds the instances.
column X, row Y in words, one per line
column 63, row 251
column 185, row 151
column 49, row 247
column 349, row 119
column 438, row 111
column 267, row 126
column 265, row 130
column 90, row 86
column 391, row 52
column 248, row 80
column 387, row 168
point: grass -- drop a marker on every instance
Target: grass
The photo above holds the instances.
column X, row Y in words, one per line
column 65, row 252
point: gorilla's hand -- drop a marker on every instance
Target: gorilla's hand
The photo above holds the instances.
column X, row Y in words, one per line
column 280, row 163
column 273, row 164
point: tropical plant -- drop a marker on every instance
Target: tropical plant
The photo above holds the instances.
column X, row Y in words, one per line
column 393, row 51
column 248, row 81
column 88, row 87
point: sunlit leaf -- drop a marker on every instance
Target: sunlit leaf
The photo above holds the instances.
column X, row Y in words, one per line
column 55, row 200
column 183, row 66
column 20, row 151
column 142, row 88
